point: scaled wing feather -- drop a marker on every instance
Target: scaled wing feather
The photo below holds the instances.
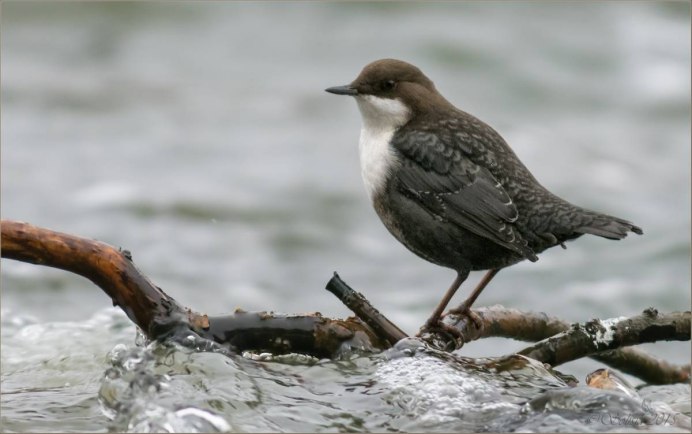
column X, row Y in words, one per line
column 441, row 179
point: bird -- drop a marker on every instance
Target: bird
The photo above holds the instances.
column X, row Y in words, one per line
column 449, row 188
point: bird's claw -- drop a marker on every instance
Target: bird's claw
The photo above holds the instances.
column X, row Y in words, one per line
column 467, row 312
column 438, row 327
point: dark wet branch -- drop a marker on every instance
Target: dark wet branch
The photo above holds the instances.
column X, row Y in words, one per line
column 310, row 334
column 359, row 305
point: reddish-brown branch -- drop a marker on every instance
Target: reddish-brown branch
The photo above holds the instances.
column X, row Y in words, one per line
column 110, row 269
column 158, row 314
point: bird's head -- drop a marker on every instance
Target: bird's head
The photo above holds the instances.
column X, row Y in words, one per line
column 389, row 92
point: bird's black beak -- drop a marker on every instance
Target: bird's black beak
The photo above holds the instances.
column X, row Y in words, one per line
column 343, row 90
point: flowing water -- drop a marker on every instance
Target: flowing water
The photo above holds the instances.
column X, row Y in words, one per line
column 199, row 137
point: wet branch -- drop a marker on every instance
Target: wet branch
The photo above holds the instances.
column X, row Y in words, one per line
column 600, row 335
column 359, row 305
column 498, row 321
column 160, row 316
column 109, row 268
column 274, row 333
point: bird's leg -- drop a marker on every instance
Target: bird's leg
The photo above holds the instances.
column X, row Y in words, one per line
column 434, row 320
column 465, row 307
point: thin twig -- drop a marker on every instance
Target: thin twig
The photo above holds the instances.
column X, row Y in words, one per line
column 359, row 305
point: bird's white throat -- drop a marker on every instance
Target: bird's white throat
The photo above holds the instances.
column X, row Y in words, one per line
column 381, row 118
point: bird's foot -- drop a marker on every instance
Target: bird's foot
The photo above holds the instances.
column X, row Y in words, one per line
column 436, row 326
column 466, row 311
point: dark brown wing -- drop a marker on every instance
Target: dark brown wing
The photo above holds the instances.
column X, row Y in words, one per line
column 439, row 177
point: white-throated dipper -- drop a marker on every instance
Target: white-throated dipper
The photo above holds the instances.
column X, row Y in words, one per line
column 449, row 187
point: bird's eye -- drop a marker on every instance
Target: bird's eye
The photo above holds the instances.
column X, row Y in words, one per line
column 388, row 85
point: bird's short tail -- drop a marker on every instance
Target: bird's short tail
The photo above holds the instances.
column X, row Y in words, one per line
column 608, row 227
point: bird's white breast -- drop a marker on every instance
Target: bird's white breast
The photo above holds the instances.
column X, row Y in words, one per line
column 381, row 118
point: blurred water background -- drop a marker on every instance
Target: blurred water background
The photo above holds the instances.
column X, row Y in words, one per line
column 199, row 137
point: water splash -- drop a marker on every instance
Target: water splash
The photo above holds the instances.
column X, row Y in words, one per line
column 131, row 395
